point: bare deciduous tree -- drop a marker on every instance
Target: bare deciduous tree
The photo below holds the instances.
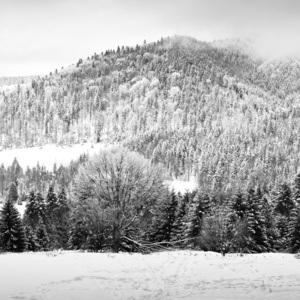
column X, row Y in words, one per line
column 125, row 187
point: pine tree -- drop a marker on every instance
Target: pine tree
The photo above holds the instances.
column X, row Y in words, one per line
column 283, row 200
column 296, row 190
column 31, row 240
column 42, row 237
column 35, row 210
column 199, row 208
column 58, row 227
column 79, row 230
column 164, row 219
column 12, row 237
column 270, row 223
column 282, row 226
column 256, row 223
column 51, row 201
column 62, row 203
column 13, row 193
column 239, row 204
column 205, row 206
column 180, row 217
column 30, row 214
column 295, row 232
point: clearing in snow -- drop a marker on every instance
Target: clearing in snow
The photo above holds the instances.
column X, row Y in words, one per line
column 49, row 154
column 184, row 275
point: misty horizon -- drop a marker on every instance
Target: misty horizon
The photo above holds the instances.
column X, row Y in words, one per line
column 40, row 36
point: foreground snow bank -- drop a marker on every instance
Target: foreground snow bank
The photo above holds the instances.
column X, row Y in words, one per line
column 188, row 275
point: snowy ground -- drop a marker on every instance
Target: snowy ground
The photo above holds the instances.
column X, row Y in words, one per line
column 180, row 275
column 183, row 186
column 48, row 155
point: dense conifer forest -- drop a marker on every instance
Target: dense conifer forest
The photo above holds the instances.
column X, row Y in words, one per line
column 63, row 211
column 209, row 110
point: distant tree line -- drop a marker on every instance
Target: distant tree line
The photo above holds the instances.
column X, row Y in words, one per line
column 119, row 202
column 17, row 183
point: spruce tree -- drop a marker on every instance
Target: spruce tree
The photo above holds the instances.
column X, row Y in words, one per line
column 200, row 207
column 180, row 217
column 283, row 229
column 296, row 190
column 256, row 223
column 62, row 203
column 31, row 240
column 12, row 237
column 283, row 200
column 238, row 204
column 270, row 223
column 295, row 232
column 51, row 201
column 35, row 210
column 30, row 214
column 13, row 193
column 79, row 230
column 42, row 237
column 59, row 216
column 164, row 219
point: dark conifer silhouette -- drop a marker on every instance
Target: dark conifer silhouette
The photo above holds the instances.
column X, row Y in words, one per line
column 12, row 237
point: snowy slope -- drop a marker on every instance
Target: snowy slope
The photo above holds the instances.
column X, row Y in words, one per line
column 184, row 275
column 48, row 155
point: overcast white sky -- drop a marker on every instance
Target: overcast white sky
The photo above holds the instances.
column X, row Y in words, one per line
column 37, row 36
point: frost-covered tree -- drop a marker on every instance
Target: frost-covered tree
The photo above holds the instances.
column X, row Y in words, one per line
column 35, row 211
column 125, row 187
column 51, row 201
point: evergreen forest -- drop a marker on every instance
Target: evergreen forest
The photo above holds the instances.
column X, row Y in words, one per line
column 177, row 108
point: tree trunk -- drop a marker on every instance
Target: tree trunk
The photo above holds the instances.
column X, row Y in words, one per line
column 116, row 239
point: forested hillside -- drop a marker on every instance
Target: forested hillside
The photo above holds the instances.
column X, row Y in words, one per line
column 200, row 109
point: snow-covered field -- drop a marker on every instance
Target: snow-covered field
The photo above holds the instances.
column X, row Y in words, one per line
column 49, row 154
column 184, row 275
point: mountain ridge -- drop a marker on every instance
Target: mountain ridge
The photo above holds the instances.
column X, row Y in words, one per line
column 200, row 109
